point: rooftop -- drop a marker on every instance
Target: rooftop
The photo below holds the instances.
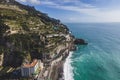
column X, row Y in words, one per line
column 31, row 64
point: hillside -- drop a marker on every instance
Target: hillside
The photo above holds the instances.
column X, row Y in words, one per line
column 25, row 34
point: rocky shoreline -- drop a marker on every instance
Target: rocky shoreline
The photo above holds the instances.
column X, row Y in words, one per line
column 57, row 68
column 54, row 71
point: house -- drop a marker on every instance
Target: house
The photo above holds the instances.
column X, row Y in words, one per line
column 31, row 69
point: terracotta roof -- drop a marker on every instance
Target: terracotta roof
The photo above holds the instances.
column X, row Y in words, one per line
column 31, row 64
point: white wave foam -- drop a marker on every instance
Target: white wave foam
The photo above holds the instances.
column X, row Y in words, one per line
column 68, row 69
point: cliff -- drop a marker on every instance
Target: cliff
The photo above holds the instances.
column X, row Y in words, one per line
column 27, row 34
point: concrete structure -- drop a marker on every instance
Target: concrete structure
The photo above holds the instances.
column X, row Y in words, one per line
column 31, row 69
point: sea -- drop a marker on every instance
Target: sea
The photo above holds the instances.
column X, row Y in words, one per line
column 100, row 59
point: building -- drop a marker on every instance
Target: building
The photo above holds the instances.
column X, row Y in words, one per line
column 31, row 69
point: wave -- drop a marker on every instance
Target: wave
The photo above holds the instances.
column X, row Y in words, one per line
column 68, row 69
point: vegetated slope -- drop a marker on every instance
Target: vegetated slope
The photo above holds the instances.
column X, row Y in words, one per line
column 23, row 32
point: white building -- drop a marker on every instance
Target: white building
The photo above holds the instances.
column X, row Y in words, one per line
column 31, row 69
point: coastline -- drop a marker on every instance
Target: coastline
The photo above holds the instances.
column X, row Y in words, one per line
column 58, row 69
column 55, row 69
column 68, row 69
column 58, row 72
column 65, row 68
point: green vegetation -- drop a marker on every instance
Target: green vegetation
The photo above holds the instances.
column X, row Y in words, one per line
column 23, row 33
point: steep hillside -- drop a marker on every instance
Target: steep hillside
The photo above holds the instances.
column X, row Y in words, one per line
column 25, row 35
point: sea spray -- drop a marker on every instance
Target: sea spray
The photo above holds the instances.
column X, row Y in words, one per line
column 68, row 69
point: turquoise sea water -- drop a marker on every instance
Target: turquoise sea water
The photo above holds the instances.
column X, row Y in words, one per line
column 100, row 59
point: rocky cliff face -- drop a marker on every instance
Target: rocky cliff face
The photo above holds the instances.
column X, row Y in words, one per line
column 1, row 59
column 23, row 36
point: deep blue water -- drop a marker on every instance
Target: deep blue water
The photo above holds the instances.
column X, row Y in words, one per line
column 100, row 59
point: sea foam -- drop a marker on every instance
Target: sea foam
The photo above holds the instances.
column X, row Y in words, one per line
column 68, row 69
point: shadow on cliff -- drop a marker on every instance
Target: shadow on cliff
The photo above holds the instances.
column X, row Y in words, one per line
column 13, row 59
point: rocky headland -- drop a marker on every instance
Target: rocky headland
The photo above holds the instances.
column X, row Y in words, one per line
column 78, row 41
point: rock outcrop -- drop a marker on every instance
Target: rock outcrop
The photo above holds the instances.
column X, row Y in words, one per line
column 80, row 42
